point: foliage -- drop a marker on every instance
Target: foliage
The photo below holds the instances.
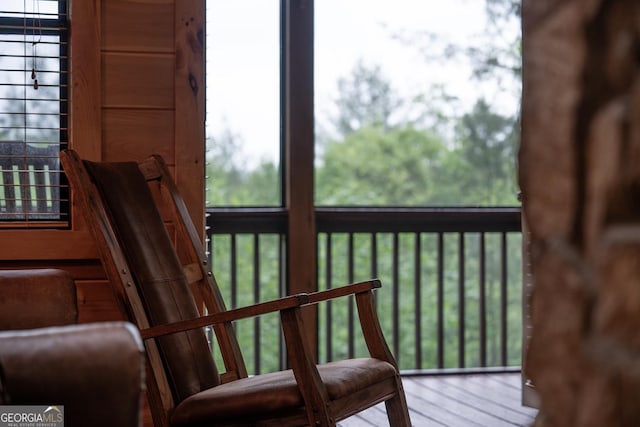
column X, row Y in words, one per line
column 375, row 167
column 230, row 182
column 365, row 99
column 481, row 169
column 407, row 166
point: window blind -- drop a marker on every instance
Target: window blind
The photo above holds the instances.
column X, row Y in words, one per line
column 33, row 112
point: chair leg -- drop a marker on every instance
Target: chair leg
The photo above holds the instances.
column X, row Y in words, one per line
column 397, row 409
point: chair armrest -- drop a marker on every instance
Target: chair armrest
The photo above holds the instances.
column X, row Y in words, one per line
column 371, row 329
column 366, row 311
column 355, row 288
column 367, row 314
column 226, row 316
column 95, row 370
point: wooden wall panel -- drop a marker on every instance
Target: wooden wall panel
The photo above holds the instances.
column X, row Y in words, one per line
column 135, row 134
column 27, row 245
column 96, row 301
column 189, row 94
column 85, row 79
column 79, row 270
column 135, row 25
column 137, row 80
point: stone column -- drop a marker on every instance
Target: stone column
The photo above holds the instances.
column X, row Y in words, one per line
column 579, row 172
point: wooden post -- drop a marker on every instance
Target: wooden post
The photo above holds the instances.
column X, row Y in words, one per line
column 299, row 155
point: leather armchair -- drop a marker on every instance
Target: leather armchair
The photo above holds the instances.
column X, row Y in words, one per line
column 95, row 370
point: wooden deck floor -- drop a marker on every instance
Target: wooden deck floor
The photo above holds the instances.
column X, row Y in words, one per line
column 486, row 400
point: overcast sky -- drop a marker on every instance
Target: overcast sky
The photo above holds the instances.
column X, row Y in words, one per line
column 242, row 56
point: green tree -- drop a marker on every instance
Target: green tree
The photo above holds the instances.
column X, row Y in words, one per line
column 365, row 98
column 480, row 170
column 232, row 182
column 374, row 166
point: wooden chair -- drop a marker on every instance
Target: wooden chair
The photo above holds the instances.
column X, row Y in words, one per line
column 154, row 258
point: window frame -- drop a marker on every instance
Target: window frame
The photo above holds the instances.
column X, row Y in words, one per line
column 34, row 246
column 60, row 27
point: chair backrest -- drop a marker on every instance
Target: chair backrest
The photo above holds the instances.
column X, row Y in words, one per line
column 157, row 273
column 156, row 263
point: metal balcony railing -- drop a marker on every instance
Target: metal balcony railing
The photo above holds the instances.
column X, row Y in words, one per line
column 452, row 282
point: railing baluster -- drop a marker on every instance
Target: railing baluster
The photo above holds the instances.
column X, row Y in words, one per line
column 396, row 297
column 417, row 289
column 374, row 255
column 234, row 270
column 48, row 194
column 17, row 192
column 3, row 192
column 482, row 301
column 328, row 305
column 374, row 261
column 461, row 301
column 440, row 302
column 32, row 186
column 350, row 301
column 503, row 299
column 256, row 299
column 282, row 250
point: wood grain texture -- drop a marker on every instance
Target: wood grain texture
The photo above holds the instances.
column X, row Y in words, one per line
column 46, row 245
column 134, row 134
column 141, row 80
column 189, row 100
column 138, row 26
column 96, row 302
column 86, row 79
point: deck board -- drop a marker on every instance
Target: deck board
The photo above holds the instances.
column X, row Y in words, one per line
column 484, row 400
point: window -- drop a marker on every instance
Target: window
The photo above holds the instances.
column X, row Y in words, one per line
column 416, row 103
column 33, row 112
column 243, row 103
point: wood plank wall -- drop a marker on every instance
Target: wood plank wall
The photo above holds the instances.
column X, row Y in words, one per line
column 137, row 88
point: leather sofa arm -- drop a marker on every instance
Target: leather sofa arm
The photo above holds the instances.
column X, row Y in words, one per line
column 96, row 371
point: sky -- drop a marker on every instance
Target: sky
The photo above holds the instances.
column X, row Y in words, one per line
column 243, row 59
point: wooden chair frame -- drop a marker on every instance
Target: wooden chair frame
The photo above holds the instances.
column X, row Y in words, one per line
column 319, row 409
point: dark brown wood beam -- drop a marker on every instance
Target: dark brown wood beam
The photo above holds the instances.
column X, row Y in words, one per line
column 298, row 129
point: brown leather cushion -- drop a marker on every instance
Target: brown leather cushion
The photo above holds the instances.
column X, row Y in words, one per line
column 96, row 371
column 158, row 274
column 269, row 394
column 36, row 298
